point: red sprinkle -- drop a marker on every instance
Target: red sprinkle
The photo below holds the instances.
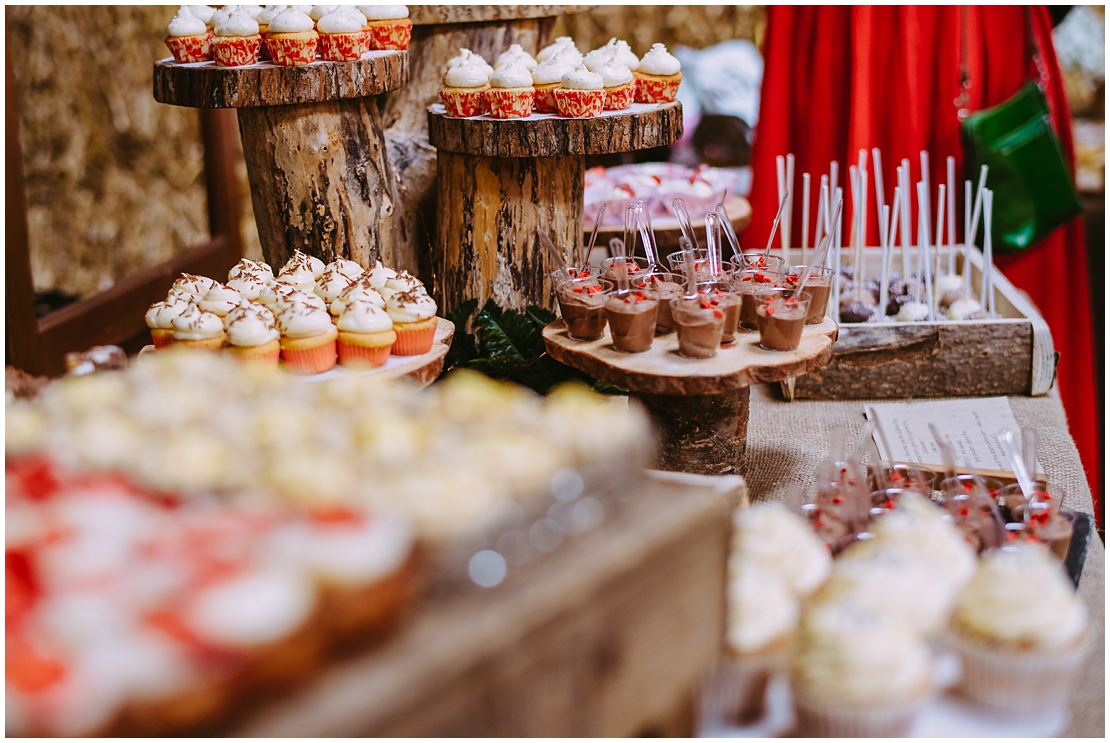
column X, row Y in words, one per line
column 717, row 313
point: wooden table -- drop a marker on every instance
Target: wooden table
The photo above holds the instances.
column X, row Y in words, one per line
column 313, row 143
column 500, row 180
column 607, row 636
column 699, row 406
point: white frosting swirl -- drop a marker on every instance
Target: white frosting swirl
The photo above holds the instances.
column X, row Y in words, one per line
column 1020, row 595
column 194, row 324
column 250, row 325
column 404, row 282
column 220, row 299
column 408, row 307
column 465, row 55
column 515, row 54
column 599, row 57
column 203, row 12
column 582, row 79
column 625, row 55
column 613, row 74
column 184, row 23
column 773, row 537
column 379, row 274
column 249, row 285
column 239, row 23
column 319, row 11
column 559, row 45
column 345, row 20
column 360, row 291
column 300, row 262
column 512, row 75
column 364, row 317
column 350, row 269
column 761, row 608
column 195, row 285
column 551, row 71
column 246, row 265
column 270, row 12
column 384, row 12
column 466, row 75
column 252, row 10
column 162, row 314
column 290, row 21
column 658, row 61
column 301, row 321
column 331, row 284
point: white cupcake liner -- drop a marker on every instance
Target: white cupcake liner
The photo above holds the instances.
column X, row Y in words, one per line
column 1017, row 681
column 821, row 717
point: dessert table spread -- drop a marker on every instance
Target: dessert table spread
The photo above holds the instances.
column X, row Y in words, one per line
column 786, row 441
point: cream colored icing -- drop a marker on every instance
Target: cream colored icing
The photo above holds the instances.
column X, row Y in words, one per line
column 184, row 23
column 512, row 75
column 344, row 20
column 384, row 12
column 762, row 609
column 551, row 71
column 319, row 11
column 364, row 317
column 196, row 285
column 516, row 54
column 247, row 266
column 331, row 284
column 408, row 307
column 770, row 535
column 220, row 299
column 380, row 274
column 555, row 47
column 302, row 321
column 249, row 285
column 582, row 79
column 614, row 74
column 466, row 75
column 350, row 269
column 360, row 291
column 658, row 61
column 290, row 21
column 194, row 324
column 239, row 23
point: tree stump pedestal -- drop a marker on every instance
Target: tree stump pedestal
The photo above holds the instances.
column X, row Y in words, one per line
column 498, row 180
column 699, row 406
column 314, row 146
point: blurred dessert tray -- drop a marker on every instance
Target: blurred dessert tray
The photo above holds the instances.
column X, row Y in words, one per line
column 1011, row 354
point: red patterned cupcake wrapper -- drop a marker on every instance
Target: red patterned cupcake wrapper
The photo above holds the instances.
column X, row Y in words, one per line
column 364, row 40
column 236, row 51
column 341, row 47
column 310, row 360
column 413, row 342
column 461, row 105
column 510, row 104
column 393, row 35
column 579, row 104
column 620, row 98
column 290, row 52
column 656, row 91
column 362, row 357
column 187, row 49
column 544, row 101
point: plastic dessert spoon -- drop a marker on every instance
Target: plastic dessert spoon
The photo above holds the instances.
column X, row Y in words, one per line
column 616, row 247
column 1025, row 482
column 549, row 246
column 713, row 242
column 861, row 441
column 726, row 227
column 593, row 237
column 775, row 226
column 688, row 267
column 1029, row 449
column 946, row 453
column 819, row 258
column 678, row 206
column 647, row 234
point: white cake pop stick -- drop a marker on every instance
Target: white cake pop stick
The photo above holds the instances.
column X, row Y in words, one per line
column 884, row 273
column 853, row 184
column 967, row 240
column 788, row 223
column 951, row 216
column 821, row 229
column 837, row 244
column 834, row 183
column 978, row 204
column 924, row 262
column 880, row 194
column 907, row 220
column 780, row 174
column 928, row 193
column 941, row 189
column 858, row 270
column 805, row 215
column 986, row 294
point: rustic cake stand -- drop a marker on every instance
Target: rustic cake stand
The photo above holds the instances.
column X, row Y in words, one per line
column 700, row 406
column 498, row 180
column 314, row 146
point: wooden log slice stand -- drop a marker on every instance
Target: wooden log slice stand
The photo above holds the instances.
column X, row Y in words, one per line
column 699, row 406
column 314, row 146
column 499, row 180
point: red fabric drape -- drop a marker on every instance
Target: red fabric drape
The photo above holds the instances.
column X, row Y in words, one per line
column 840, row 79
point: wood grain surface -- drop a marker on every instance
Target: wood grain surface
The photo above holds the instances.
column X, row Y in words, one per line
column 489, row 209
column 662, row 371
column 701, row 434
column 206, row 85
column 424, row 15
column 643, row 127
column 320, row 180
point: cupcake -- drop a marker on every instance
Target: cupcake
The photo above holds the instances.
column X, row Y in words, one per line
column 220, row 300
column 319, row 11
column 249, row 285
column 620, row 85
column 414, row 320
column 195, row 328
column 598, row 58
column 307, row 339
column 624, row 53
column 251, row 334
column 658, row 76
column 300, row 271
column 548, row 76
column 1021, row 631
column 263, row 19
column 246, row 265
column 188, row 38
column 856, row 675
column 350, row 269
column 331, row 284
column 465, row 90
column 581, row 95
column 465, row 55
column 237, row 40
column 365, row 335
column 401, row 282
column 160, row 316
column 291, row 39
column 278, row 295
column 510, row 92
column 515, row 54
column 379, row 274
column 389, row 26
column 359, row 291
column 341, row 36
column 189, row 283
column 203, row 12
column 769, row 535
column 563, row 46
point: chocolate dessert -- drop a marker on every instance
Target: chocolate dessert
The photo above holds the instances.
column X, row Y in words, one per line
column 699, row 325
column 666, row 287
column 97, row 358
column 746, row 283
column 721, row 295
column 817, row 288
column 610, row 268
column 781, row 322
column 632, row 320
column 582, row 304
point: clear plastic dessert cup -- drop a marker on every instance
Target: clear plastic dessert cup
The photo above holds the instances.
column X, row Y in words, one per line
column 818, row 287
column 756, row 259
column 582, row 305
column 560, row 275
column 748, row 281
column 780, row 320
column 667, row 286
column 677, row 262
column 973, row 505
column 634, row 266
column 1041, row 517
column 699, row 325
column 631, row 316
column 898, row 475
column 722, row 296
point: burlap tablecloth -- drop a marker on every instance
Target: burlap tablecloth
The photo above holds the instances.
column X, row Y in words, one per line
column 787, row 440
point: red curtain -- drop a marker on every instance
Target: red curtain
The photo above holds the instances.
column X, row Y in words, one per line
column 840, row 79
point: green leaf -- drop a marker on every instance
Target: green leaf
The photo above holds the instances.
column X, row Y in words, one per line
column 464, row 346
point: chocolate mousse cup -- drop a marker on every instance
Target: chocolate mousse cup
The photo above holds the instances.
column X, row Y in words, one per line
column 699, row 325
column 781, row 322
column 746, row 283
column 634, row 266
column 677, row 262
column 582, row 304
column 666, row 286
column 632, row 319
column 818, row 288
column 722, row 296
column 756, row 259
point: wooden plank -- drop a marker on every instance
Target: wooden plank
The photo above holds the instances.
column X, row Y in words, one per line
column 427, row 15
column 642, row 128
column 605, row 637
column 21, row 347
column 207, row 85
